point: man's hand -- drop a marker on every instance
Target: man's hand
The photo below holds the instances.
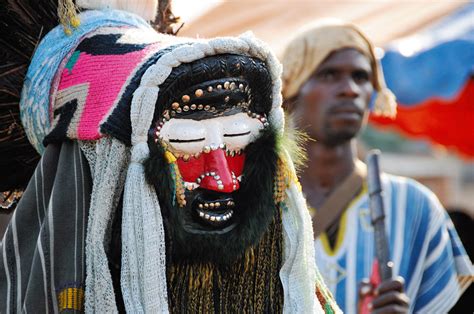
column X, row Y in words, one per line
column 388, row 297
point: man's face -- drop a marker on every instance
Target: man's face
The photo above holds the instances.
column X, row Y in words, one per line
column 331, row 105
column 223, row 211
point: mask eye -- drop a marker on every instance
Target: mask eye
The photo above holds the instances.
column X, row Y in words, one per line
column 184, row 135
column 186, row 141
column 240, row 130
column 190, row 136
column 237, row 134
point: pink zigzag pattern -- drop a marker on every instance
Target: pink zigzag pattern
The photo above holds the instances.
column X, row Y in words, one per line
column 107, row 76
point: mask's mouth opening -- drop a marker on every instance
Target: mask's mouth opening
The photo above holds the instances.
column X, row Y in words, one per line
column 212, row 212
column 214, row 209
column 216, row 213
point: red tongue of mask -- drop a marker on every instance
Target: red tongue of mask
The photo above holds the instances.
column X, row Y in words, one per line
column 214, row 170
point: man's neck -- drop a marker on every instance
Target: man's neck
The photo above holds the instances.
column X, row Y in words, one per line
column 328, row 167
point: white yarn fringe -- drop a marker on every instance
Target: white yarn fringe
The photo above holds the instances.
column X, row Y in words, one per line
column 143, row 277
column 143, row 274
column 298, row 272
column 108, row 179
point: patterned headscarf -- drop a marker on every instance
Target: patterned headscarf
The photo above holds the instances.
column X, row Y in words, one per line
column 311, row 46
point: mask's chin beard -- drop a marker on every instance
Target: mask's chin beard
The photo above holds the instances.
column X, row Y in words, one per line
column 253, row 211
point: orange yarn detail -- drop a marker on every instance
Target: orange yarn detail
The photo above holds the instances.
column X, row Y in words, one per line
column 71, row 299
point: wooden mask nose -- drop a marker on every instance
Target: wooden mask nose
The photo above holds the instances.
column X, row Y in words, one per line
column 218, row 174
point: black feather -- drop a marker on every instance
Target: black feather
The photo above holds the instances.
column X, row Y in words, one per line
column 23, row 23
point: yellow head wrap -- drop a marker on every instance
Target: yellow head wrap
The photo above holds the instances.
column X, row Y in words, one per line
column 315, row 43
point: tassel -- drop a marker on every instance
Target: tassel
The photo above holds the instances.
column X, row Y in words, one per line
column 68, row 18
column 178, row 180
column 385, row 104
column 280, row 184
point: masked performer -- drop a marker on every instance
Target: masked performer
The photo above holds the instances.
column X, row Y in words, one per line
column 164, row 183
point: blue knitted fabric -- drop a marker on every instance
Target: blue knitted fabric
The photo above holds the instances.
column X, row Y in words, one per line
column 39, row 86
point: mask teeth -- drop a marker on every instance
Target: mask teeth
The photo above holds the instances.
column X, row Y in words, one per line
column 216, row 205
column 233, row 153
column 208, row 148
column 214, row 217
column 190, row 186
column 185, row 156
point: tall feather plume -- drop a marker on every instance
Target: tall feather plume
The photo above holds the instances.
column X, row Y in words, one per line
column 22, row 24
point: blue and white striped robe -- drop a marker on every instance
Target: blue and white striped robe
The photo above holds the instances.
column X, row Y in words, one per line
column 424, row 247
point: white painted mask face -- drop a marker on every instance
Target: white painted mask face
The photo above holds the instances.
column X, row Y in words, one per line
column 187, row 136
column 210, row 152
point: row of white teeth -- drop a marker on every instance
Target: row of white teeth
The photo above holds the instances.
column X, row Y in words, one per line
column 228, row 152
column 214, row 205
column 232, row 153
column 216, row 217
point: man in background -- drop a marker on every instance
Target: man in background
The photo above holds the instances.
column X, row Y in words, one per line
column 330, row 76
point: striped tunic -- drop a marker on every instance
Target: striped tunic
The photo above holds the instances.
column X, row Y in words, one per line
column 424, row 247
column 42, row 268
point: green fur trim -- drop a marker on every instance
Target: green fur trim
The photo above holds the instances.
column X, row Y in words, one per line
column 293, row 141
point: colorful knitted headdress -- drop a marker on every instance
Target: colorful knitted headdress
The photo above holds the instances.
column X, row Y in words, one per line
column 112, row 85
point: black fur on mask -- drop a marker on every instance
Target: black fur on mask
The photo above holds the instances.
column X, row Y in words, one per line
column 254, row 203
